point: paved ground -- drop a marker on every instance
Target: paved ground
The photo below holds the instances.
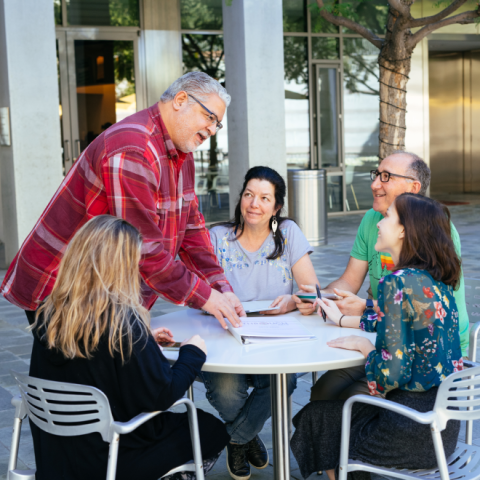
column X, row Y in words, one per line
column 329, row 262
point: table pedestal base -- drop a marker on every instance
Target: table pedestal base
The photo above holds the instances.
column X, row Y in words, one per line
column 280, row 426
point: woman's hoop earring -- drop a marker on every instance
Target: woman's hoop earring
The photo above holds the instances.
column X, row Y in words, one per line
column 274, row 225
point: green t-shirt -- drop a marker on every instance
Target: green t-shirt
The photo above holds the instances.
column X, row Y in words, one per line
column 381, row 264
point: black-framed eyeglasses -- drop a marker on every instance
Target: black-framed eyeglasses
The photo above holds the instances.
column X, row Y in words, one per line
column 212, row 117
column 385, row 176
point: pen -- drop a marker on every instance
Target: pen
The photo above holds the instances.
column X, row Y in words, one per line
column 319, row 295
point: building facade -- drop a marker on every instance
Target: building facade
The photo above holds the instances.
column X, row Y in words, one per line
column 305, row 95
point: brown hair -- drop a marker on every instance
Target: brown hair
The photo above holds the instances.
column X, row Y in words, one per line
column 428, row 243
column 97, row 291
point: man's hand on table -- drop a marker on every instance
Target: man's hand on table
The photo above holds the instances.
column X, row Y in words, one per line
column 237, row 304
column 225, row 305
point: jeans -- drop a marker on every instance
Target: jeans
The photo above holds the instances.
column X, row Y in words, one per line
column 243, row 414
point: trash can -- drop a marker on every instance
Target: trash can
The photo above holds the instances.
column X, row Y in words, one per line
column 307, row 203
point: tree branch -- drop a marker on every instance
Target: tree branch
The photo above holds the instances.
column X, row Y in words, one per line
column 401, row 8
column 364, row 83
column 345, row 22
column 420, row 22
column 461, row 18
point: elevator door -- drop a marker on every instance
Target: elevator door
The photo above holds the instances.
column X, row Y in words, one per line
column 454, row 122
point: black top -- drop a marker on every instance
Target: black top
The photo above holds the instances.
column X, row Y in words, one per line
column 144, row 383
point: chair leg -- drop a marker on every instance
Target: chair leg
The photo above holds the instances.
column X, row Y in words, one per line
column 440, row 453
column 354, row 196
column 113, row 457
column 190, row 393
column 314, row 378
column 289, row 410
column 195, row 437
column 17, row 428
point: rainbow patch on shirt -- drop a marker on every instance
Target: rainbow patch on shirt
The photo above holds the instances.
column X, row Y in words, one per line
column 387, row 262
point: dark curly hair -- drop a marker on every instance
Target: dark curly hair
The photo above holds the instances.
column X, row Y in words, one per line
column 272, row 176
column 428, row 243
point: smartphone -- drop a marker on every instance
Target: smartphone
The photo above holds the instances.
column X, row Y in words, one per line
column 311, row 297
column 170, row 346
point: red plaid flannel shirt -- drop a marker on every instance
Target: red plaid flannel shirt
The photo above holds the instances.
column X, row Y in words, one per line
column 131, row 171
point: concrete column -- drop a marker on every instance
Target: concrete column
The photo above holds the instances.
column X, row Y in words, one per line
column 417, row 119
column 162, row 46
column 253, row 42
column 31, row 166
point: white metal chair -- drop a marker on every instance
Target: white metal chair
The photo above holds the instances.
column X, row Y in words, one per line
column 461, row 389
column 472, row 353
column 44, row 402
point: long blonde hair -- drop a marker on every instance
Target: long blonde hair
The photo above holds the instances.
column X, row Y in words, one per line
column 96, row 292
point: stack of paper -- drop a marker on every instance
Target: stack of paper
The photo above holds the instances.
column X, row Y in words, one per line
column 255, row 306
column 279, row 329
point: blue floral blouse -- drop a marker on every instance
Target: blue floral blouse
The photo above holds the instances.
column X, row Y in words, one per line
column 418, row 341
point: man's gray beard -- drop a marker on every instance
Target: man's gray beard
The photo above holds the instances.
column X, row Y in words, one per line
column 187, row 147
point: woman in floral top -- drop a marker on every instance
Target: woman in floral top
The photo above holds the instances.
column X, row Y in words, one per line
column 417, row 346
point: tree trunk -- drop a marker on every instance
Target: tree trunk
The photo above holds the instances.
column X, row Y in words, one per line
column 394, row 61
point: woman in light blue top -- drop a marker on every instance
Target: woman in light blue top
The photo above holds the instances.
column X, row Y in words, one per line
column 262, row 254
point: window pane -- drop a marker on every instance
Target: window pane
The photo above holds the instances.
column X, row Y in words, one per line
column 105, row 86
column 204, row 53
column 334, row 193
column 319, row 24
column 328, row 116
column 324, row 48
column 297, row 119
column 57, row 10
column 361, row 123
column 117, row 13
column 201, row 14
column 371, row 14
column 294, row 16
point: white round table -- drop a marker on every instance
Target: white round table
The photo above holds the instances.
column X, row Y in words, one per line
column 227, row 355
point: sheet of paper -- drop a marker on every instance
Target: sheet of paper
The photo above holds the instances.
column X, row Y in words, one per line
column 259, row 340
column 254, row 306
column 272, row 327
column 258, row 306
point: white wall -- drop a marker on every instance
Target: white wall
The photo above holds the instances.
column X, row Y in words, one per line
column 31, row 169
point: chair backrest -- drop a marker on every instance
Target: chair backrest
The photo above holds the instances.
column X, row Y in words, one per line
column 65, row 409
column 349, row 172
column 458, row 397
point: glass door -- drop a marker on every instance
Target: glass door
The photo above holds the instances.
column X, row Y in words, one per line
column 329, row 132
column 98, row 77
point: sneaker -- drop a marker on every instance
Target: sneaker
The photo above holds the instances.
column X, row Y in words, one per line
column 257, row 453
column 237, row 463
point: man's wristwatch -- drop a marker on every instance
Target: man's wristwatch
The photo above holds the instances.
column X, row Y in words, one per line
column 370, row 303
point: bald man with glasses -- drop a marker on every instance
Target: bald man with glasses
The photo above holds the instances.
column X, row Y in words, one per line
column 398, row 173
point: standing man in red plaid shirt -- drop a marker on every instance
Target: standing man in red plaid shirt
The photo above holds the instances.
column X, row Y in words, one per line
column 142, row 170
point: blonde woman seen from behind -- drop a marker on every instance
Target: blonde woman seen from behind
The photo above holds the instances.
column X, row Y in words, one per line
column 93, row 330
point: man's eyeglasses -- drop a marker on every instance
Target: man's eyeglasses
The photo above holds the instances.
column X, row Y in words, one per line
column 212, row 117
column 385, row 176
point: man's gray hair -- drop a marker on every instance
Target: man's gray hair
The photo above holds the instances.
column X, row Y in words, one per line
column 199, row 84
column 419, row 170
